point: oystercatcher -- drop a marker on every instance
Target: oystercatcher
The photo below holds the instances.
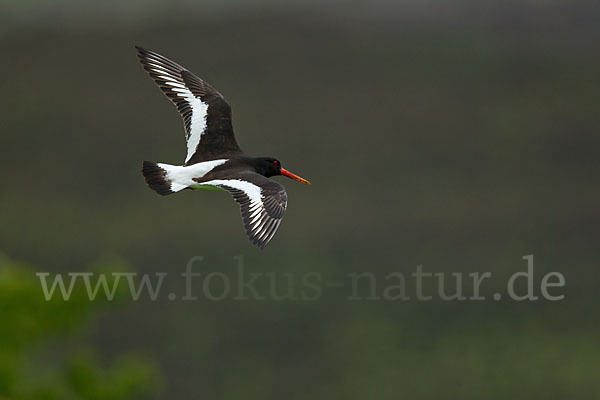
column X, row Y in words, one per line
column 214, row 161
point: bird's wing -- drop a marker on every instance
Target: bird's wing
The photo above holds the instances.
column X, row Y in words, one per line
column 262, row 202
column 206, row 114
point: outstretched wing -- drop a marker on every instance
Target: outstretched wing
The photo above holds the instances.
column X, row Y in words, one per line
column 206, row 114
column 262, row 202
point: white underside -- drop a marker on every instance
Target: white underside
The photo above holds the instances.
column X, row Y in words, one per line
column 182, row 177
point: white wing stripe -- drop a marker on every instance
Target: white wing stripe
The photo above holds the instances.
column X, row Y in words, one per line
column 252, row 191
column 197, row 126
column 199, row 108
column 260, row 224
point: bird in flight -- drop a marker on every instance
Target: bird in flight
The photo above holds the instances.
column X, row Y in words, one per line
column 214, row 161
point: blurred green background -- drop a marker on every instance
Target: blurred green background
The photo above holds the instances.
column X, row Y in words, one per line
column 458, row 135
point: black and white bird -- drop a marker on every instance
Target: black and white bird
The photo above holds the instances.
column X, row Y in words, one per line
column 214, row 161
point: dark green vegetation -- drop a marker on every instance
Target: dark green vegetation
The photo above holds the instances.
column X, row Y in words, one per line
column 462, row 144
column 43, row 353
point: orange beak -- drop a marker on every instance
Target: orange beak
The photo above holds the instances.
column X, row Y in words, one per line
column 287, row 173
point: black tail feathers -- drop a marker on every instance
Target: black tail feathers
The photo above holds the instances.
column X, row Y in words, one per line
column 156, row 178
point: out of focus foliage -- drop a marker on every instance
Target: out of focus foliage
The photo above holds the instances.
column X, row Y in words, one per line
column 43, row 354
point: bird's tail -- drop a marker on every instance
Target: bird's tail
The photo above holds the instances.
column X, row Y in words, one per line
column 157, row 177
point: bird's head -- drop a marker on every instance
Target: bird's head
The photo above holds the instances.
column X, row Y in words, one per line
column 269, row 166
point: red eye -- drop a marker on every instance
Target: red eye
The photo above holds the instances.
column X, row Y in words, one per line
column 275, row 162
